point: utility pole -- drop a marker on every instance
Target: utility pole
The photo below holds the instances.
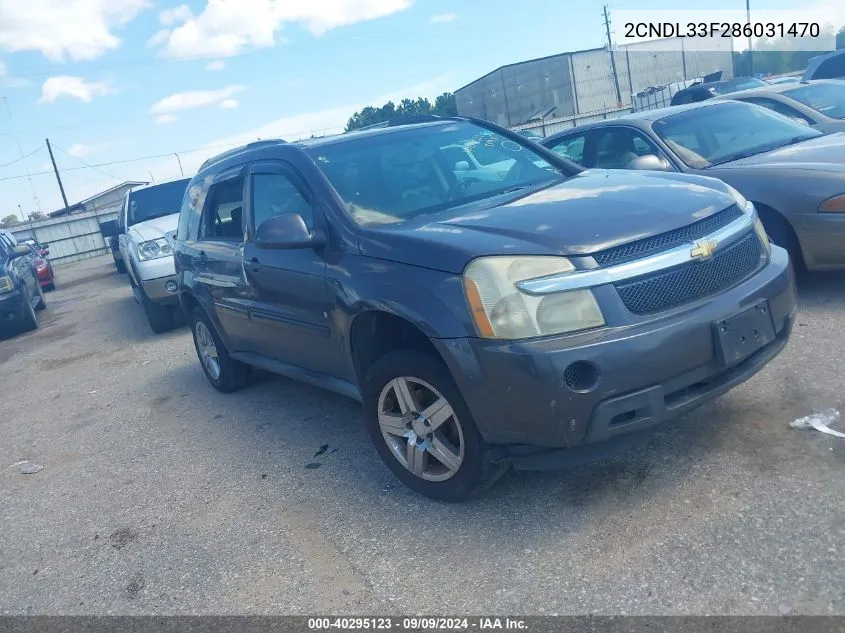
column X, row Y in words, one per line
column 612, row 58
column 56, row 169
column 750, row 51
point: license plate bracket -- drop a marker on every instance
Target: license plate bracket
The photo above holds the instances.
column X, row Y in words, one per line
column 740, row 335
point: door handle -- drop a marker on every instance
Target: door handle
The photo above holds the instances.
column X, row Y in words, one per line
column 255, row 265
column 203, row 258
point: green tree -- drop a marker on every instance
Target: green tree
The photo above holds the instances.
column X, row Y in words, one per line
column 9, row 221
column 37, row 215
column 444, row 105
column 840, row 38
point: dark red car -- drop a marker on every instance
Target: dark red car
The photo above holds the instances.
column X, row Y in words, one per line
column 42, row 265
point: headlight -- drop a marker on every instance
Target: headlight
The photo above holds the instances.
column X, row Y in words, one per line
column 836, row 204
column 6, row 284
column 501, row 310
column 761, row 233
column 740, row 200
column 154, row 249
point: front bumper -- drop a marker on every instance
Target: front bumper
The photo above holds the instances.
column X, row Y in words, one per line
column 12, row 308
column 161, row 290
column 647, row 373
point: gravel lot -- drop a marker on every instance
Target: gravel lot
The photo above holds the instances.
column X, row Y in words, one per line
column 160, row 496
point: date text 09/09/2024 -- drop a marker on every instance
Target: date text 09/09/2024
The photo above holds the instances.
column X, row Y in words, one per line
column 722, row 29
column 416, row 623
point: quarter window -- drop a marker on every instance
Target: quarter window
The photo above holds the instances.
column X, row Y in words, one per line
column 223, row 214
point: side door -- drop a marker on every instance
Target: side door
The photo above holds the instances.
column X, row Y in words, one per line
column 217, row 262
column 292, row 300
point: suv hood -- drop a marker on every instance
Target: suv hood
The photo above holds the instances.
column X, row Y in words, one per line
column 589, row 212
column 824, row 153
column 156, row 228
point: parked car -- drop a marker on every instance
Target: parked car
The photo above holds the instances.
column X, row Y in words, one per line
column 481, row 324
column 828, row 66
column 147, row 224
column 794, row 175
column 819, row 104
column 43, row 267
column 20, row 293
column 704, row 91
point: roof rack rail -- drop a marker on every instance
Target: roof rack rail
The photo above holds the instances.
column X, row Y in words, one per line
column 404, row 120
column 238, row 150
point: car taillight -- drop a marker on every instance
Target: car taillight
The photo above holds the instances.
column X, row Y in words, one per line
column 40, row 265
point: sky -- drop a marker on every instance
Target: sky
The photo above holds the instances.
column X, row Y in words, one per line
column 134, row 82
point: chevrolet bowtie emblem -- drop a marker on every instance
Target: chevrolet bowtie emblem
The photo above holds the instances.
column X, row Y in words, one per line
column 703, row 249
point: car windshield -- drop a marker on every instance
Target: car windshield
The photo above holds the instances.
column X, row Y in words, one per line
column 391, row 177
column 156, row 201
column 728, row 131
column 828, row 98
column 734, row 85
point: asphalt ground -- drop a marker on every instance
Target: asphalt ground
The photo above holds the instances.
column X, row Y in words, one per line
column 160, row 496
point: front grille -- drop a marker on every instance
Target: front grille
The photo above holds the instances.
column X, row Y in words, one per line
column 672, row 287
column 665, row 241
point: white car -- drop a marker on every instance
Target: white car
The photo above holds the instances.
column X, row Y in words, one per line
column 147, row 224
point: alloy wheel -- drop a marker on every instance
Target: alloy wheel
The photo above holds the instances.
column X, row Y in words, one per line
column 207, row 350
column 421, row 428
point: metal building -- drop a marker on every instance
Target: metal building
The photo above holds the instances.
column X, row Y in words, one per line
column 570, row 88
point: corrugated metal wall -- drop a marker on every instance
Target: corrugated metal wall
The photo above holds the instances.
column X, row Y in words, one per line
column 582, row 83
column 70, row 238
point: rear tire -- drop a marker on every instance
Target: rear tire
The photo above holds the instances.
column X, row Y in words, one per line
column 225, row 374
column 42, row 302
column 121, row 267
column 30, row 321
column 467, row 469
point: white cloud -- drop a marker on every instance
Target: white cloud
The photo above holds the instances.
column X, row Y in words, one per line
column 443, row 18
column 159, row 38
column 216, row 65
column 165, row 119
column 79, row 30
column 81, row 150
column 74, row 87
column 229, row 104
column 193, row 99
column 176, row 14
column 226, row 28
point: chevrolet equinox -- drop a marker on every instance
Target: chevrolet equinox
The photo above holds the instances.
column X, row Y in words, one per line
column 487, row 301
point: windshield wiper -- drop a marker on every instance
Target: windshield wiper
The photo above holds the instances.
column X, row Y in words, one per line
column 761, row 150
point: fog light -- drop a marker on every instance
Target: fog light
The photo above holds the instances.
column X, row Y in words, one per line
column 170, row 286
column 581, row 376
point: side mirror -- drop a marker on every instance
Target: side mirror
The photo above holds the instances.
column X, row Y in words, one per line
column 287, row 231
column 650, row 162
column 21, row 250
column 45, row 252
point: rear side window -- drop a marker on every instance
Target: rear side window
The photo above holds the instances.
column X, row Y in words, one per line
column 222, row 218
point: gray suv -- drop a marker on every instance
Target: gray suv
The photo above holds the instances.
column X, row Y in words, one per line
column 537, row 319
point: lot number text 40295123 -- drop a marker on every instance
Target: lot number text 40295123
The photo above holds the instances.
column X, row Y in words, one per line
column 416, row 623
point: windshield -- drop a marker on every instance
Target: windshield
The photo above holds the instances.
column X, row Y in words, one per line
column 829, row 99
column 156, row 201
column 728, row 131
column 390, row 177
column 734, row 85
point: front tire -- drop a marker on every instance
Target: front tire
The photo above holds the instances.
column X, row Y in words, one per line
column 42, row 301
column 121, row 267
column 225, row 374
column 160, row 317
column 423, row 430
column 30, row 321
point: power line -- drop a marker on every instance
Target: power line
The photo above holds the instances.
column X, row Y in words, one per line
column 82, row 161
column 25, row 156
column 163, row 155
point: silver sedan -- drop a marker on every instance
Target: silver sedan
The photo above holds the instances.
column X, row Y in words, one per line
column 793, row 174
